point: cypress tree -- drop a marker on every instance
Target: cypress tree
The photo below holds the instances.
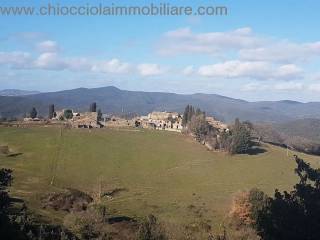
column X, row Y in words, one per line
column 99, row 115
column 185, row 116
column 93, row 107
column 51, row 111
column 33, row 113
column 191, row 113
column 198, row 112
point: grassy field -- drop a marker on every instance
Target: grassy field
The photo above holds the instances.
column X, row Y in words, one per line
column 164, row 173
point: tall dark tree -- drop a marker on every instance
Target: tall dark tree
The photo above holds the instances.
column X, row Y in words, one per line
column 51, row 111
column 293, row 215
column 241, row 138
column 99, row 115
column 93, row 107
column 198, row 112
column 185, row 116
column 191, row 113
column 33, row 113
column 237, row 124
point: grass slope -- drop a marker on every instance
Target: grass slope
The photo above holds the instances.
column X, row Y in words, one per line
column 164, row 173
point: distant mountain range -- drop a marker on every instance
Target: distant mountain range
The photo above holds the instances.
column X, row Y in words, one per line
column 116, row 101
column 16, row 92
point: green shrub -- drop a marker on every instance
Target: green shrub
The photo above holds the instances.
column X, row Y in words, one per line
column 150, row 229
column 68, row 114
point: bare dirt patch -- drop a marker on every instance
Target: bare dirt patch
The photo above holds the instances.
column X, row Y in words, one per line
column 4, row 150
column 68, row 200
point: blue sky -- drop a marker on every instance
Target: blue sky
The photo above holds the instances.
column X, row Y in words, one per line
column 262, row 50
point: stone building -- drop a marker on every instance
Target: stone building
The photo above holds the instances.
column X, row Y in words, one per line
column 117, row 122
column 217, row 124
column 86, row 120
column 170, row 121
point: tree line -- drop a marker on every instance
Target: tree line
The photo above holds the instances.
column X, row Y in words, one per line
column 67, row 114
column 237, row 139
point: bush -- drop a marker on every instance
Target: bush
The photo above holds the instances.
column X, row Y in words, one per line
column 238, row 139
column 68, row 200
column 241, row 138
column 150, row 229
column 199, row 126
column 258, row 200
column 68, row 114
column 241, row 210
column 89, row 224
column 293, row 215
column 244, row 214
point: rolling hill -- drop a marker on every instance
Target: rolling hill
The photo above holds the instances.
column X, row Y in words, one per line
column 16, row 92
column 302, row 134
column 159, row 172
column 114, row 100
column 306, row 128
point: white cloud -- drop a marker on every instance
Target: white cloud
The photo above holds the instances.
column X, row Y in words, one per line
column 15, row 59
column 183, row 41
column 280, row 86
column 149, row 69
column 180, row 33
column 48, row 46
column 256, row 69
column 53, row 61
column 288, row 86
column 235, row 69
column 50, row 61
column 315, row 87
column 78, row 64
column 257, row 86
column 189, row 70
column 282, row 51
column 242, row 42
column 288, row 71
column 112, row 66
column 28, row 36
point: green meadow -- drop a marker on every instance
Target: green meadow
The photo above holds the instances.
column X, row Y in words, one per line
column 163, row 173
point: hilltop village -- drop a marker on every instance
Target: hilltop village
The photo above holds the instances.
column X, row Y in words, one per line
column 207, row 130
column 168, row 121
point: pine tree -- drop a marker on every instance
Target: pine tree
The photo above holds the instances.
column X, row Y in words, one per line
column 33, row 113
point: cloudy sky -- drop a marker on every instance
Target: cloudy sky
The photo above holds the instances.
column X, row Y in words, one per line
column 259, row 51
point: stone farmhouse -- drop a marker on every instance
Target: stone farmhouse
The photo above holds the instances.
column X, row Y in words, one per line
column 80, row 120
column 217, row 124
column 86, row 120
column 170, row 121
column 116, row 122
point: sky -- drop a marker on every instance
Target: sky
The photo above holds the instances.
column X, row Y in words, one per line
column 260, row 50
